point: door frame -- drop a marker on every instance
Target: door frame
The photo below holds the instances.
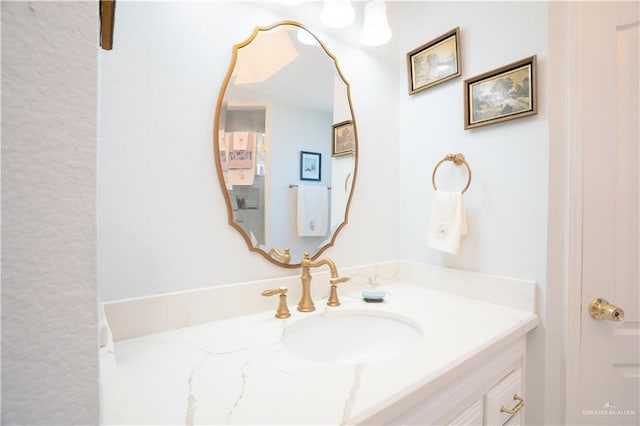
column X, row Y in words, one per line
column 575, row 187
column 564, row 283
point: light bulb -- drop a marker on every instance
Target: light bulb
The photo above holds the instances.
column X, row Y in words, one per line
column 337, row 13
column 375, row 30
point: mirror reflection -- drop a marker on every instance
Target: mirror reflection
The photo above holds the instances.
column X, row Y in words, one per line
column 286, row 143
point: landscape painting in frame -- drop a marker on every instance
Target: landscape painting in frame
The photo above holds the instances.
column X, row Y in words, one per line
column 505, row 93
column 344, row 140
column 434, row 62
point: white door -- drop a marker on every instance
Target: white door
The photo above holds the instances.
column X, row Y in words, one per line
column 608, row 123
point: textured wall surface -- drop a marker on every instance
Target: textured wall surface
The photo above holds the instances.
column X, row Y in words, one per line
column 49, row 344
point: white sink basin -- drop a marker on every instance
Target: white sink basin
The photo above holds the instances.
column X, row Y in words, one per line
column 351, row 337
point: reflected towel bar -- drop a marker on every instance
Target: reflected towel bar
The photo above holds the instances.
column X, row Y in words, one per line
column 291, row 185
column 458, row 159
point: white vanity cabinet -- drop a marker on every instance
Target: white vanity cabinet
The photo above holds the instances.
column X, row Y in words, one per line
column 505, row 401
column 476, row 396
column 472, row 416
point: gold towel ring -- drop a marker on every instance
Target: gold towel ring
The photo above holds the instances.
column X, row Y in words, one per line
column 458, row 159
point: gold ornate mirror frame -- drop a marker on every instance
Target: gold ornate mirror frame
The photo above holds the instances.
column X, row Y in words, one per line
column 274, row 255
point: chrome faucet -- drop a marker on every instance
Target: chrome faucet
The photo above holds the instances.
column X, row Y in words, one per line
column 306, row 303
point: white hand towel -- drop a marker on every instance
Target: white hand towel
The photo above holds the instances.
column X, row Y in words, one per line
column 313, row 211
column 448, row 221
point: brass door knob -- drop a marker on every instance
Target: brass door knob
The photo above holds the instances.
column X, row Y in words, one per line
column 601, row 309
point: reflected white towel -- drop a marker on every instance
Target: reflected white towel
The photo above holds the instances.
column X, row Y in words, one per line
column 448, row 221
column 240, row 177
column 241, row 158
column 313, row 211
column 240, row 141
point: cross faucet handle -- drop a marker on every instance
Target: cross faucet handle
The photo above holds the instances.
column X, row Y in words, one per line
column 333, row 291
column 283, row 309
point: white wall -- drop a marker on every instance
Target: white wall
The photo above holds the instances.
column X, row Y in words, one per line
column 49, row 332
column 162, row 221
column 507, row 200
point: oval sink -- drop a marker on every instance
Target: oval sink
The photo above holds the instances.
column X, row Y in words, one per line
column 351, row 337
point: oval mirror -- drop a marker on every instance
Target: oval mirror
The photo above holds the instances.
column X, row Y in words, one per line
column 285, row 143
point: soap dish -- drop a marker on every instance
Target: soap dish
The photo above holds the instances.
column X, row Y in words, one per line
column 373, row 296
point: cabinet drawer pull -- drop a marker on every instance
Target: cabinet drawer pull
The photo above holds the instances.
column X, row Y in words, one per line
column 515, row 409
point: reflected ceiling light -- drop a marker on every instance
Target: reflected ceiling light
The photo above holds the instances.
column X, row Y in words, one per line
column 267, row 54
column 305, row 37
column 290, row 2
column 375, row 30
column 337, row 13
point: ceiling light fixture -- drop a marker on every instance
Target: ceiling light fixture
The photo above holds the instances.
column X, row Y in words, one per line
column 337, row 13
column 375, row 30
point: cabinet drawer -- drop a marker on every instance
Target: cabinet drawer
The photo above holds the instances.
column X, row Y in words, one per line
column 516, row 420
column 502, row 395
column 472, row 416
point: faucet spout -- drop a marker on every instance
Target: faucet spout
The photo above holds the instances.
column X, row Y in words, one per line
column 306, row 302
column 284, row 257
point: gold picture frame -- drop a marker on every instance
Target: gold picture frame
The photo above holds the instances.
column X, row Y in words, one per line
column 344, row 141
column 434, row 62
column 502, row 94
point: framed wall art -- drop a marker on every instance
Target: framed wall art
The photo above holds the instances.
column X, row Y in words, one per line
column 344, row 141
column 434, row 62
column 502, row 94
column 310, row 165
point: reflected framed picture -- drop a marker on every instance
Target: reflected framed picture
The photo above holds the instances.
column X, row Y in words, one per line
column 344, row 141
column 310, row 165
column 434, row 62
column 502, row 94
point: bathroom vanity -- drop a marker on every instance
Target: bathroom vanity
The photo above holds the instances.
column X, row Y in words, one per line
column 425, row 357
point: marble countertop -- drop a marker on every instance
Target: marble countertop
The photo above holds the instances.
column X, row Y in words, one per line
column 236, row 371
